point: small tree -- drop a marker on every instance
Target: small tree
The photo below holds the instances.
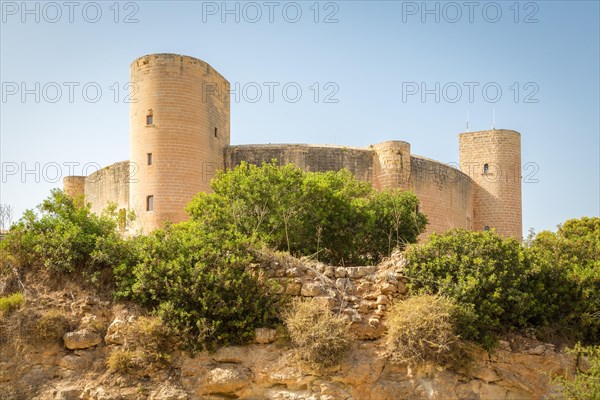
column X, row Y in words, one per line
column 330, row 215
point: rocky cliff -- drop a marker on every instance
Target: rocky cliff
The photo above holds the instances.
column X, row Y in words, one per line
column 36, row 365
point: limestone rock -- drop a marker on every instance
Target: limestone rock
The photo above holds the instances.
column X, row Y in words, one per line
column 312, row 289
column 82, row 339
column 115, row 334
column 226, row 379
column 231, row 354
column 265, row 335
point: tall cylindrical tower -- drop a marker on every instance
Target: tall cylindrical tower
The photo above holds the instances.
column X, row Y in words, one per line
column 179, row 129
column 493, row 161
column 391, row 165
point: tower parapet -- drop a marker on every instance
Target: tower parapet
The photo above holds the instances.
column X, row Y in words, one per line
column 493, row 161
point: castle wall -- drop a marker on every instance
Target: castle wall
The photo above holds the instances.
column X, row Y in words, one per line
column 444, row 192
column 497, row 195
column 312, row 158
column 109, row 185
column 180, row 136
column 189, row 104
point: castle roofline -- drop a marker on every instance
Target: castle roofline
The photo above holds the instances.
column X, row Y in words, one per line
column 266, row 145
column 509, row 131
column 175, row 55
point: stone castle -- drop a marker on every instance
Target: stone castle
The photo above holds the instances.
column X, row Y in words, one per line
column 180, row 136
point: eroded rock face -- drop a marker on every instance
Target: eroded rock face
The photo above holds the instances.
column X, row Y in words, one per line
column 76, row 368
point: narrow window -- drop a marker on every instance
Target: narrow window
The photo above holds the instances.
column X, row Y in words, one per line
column 216, row 132
column 486, row 168
column 149, row 119
column 149, row 203
column 149, row 158
column 486, row 228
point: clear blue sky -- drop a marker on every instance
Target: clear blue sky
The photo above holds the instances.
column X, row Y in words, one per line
column 367, row 61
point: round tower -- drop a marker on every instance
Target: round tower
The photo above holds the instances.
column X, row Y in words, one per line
column 391, row 165
column 179, row 129
column 74, row 186
column 493, row 161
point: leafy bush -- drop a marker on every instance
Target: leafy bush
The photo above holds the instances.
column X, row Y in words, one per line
column 331, row 215
column 568, row 265
column 321, row 338
column 63, row 237
column 423, row 328
column 586, row 383
column 195, row 278
column 486, row 275
column 11, row 303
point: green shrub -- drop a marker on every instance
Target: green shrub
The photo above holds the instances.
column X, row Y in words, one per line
column 63, row 237
column 330, row 215
column 483, row 272
column 11, row 303
column 321, row 338
column 586, row 383
column 568, row 266
column 423, row 328
column 195, row 278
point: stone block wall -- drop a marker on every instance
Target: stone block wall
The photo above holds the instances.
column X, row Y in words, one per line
column 109, row 185
column 445, row 194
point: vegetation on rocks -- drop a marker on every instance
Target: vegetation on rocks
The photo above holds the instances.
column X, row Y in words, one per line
column 321, row 337
column 199, row 282
column 423, row 328
column 551, row 284
column 10, row 303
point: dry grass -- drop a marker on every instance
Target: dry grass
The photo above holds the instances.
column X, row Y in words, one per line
column 321, row 338
column 153, row 337
column 148, row 344
column 52, row 325
column 10, row 303
column 422, row 329
column 122, row 361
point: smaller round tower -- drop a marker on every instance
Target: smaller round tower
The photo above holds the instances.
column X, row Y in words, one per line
column 391, row 165
column 493, row 161
column 74, row 186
